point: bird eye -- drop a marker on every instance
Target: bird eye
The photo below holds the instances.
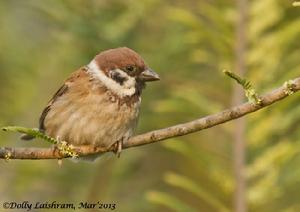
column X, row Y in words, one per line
column 130, row 69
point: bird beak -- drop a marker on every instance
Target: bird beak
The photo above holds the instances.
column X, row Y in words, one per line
column 149, row 75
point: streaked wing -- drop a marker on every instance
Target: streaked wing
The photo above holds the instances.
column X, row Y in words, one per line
column 61, row 91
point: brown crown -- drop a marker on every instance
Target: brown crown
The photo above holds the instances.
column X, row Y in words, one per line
column 119, row 58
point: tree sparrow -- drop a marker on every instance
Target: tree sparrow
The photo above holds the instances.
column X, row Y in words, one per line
column 99, row 103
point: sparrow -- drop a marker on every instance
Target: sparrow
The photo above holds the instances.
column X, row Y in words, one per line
column 99, row 103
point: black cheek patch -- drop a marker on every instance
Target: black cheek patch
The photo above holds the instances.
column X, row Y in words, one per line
column 118, row 78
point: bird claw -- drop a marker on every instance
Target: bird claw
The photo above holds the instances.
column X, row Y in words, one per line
column 118, row 148
column 55, row 148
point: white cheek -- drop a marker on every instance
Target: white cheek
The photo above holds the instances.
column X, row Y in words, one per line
column 127, row 89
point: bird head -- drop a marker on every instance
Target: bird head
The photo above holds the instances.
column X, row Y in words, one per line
column 122, row 70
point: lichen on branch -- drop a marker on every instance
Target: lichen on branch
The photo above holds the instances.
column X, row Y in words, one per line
column 62, row 146
column 290, row 87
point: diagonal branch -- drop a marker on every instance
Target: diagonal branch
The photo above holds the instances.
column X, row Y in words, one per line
column 278, row 94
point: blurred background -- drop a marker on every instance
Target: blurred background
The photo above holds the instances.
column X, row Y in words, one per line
column 188, row 43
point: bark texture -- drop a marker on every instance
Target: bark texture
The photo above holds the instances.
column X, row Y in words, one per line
column 158, row 135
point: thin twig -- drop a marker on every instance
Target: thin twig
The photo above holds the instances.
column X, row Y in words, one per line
column 292, row 86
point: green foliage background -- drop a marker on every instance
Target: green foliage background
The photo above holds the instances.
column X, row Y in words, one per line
column 188, row 43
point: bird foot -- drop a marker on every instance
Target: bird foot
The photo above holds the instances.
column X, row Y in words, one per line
column 55, row 149
column 118, row 148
